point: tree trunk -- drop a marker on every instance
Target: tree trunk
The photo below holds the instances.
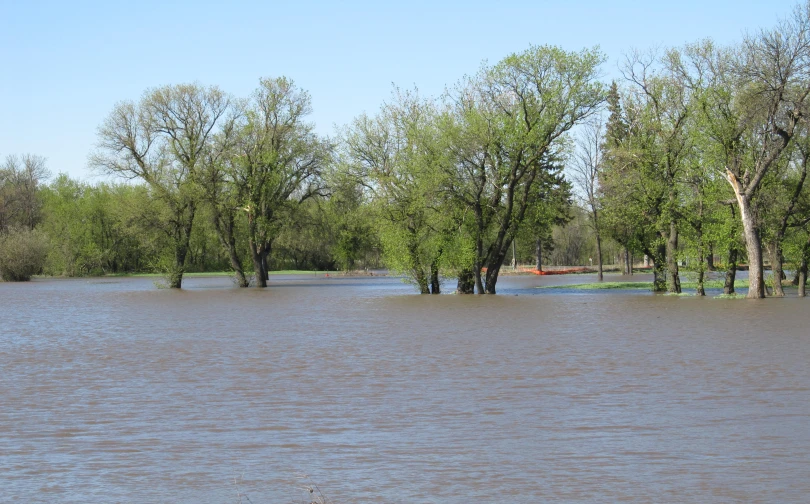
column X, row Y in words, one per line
column 659, row 270
column 421, row 281
column 599, row 257
column 265, row 255
column 673, row 279
column 257, row 253
column 466, row 281
column 479, row 285
column 258, row 269
column 514, row 255
column 236, row 265
column 803, row 268
column 777, row 268
column 538, row 254
column 435, row 287
column 181, row 248
column 731, row 271
column 259, row 256
column 753, row 248
column 701, row 291
column 710, row 258
column 417, row 271
column 492, row 277
column 701, row 267
column 224, row 225
column 626, row 262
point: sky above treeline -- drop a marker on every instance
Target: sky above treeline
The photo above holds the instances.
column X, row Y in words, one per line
column 65, row 64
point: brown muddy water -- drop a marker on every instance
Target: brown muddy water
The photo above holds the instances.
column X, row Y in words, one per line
column 114, row 391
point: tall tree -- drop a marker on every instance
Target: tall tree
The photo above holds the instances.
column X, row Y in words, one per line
column 163, row 140
column 398, row 154
column 586, row 166
column 763, row 97
column 508, row 120
column 664, row 98
column 20, row 180
column 276, row 162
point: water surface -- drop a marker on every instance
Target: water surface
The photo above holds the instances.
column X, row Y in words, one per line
column 115, row 391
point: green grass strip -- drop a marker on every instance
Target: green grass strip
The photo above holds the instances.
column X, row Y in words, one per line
column 711, row 284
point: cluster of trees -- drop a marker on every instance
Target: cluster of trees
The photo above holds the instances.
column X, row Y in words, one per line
column 454, row 181
column 705, row 152
column 77, row 229
column 22, row 247
column 701, row 152
column 440, row 187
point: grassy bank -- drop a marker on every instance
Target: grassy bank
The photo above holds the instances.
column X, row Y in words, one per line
column 710, row 284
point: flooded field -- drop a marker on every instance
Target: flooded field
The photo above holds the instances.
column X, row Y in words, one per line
column 115, row 391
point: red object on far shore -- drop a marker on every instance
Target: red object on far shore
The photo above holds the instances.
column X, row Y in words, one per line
column 560, row 272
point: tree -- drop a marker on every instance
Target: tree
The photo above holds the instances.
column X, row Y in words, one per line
column 551, row 208
column 664, row 99
column 20, row 181
column 763, row 97
column 398, row 155
column 507, row 122
column 163, row 140
column 616, row 131
column 632, row 192
column 22, row 253
column 586, row 165
column 97, row 229
column 780, row 197
column 276, row 162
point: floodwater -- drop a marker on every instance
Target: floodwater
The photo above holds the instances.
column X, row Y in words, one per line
column 114, row 391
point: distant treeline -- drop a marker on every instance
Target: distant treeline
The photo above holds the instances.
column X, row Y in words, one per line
column 699, row 153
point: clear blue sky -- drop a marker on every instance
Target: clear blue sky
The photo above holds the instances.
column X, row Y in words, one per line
column 63, row 65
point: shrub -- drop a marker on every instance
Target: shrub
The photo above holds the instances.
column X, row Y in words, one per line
column 22, row 254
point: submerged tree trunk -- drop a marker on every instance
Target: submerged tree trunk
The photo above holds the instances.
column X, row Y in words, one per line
column 466, row 281
column 435, row 287
column 492, row 278
column 673, row 278
column 266, row 249
column 258, row 254
column 417, row 270
column 181, row 248
column 421, row 281
column 753, row 248
column 659, row 269
column 702, row 262
column 479, row 285
column 258, row 267
column 700, row 291
column 777, row 267
column 177, row 269
column 753, row 245
column 659, row 277
column 731, row 270
column 224, row 225
column 803, row 268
